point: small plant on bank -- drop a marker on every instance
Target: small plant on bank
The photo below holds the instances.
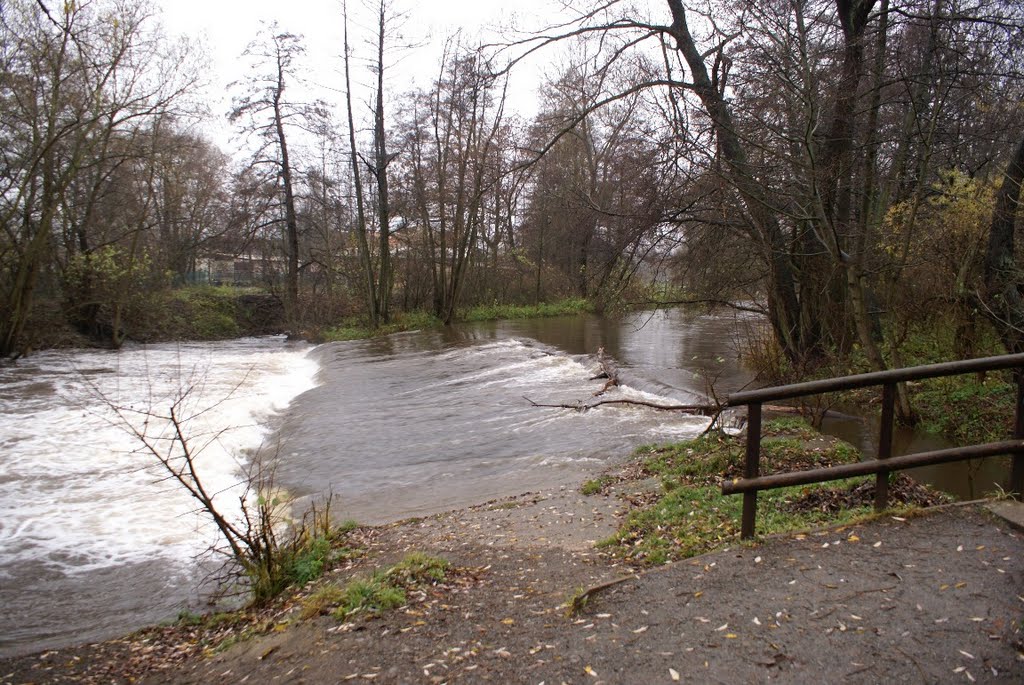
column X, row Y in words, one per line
column 266, row 549
column 418, row 569
column 380, row 592
column 595, row 486
column 369, row 597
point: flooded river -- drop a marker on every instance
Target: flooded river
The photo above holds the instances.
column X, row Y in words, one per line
column 94, row 542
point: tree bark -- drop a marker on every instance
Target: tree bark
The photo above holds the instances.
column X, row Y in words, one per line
column 384, row 276
column 1005, row 306
column 783, row 303
column 363, row 244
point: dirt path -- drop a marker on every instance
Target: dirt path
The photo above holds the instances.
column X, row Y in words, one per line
column 936, row 598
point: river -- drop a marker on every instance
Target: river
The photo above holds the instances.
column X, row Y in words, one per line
column 94, row 542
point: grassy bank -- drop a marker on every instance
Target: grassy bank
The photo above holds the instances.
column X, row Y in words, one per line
column 495, row 312
column 357, row 328
column 685, row 514
column 965, row 409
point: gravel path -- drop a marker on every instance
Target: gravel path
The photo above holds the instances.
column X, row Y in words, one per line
column 934, row 598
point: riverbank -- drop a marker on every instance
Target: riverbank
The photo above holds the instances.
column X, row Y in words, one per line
column 918, row 595
column 356, row 328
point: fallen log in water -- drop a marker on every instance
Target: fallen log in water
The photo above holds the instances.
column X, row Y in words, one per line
column 700, row 409
column 608, row 371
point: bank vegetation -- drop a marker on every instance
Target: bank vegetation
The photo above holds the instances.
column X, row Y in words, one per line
column 850, row 169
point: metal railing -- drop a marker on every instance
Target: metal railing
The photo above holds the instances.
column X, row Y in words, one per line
column 752, row 481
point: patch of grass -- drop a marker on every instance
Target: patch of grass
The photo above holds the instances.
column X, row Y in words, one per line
column 417, row 569
column 496, row 311
column 360, row 329
column 693, row 517
column 321, row 601
column 310, row 561
column 596, row 485
column 692, row 520
column 368, row 596
column 347, row 526
column 793, row 426
column 189, row 618
column 709, row 456
column 380, row 592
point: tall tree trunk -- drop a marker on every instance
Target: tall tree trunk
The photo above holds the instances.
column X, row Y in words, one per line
column 1003, row 281
column 783, row 303
column 291, row 299
column 384, row 275
column 365, row 258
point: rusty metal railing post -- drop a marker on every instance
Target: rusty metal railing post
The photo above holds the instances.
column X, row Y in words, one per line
column 751, row 468
column 1017, row 467
column 885, row 444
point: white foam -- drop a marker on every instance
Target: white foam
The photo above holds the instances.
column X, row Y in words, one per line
column 76, row 492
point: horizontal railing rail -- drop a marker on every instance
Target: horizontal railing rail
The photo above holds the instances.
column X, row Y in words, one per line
column 753, row 482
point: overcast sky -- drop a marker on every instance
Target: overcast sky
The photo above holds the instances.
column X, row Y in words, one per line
column 225, row 27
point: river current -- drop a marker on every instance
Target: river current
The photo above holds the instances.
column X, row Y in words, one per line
column 95, row 541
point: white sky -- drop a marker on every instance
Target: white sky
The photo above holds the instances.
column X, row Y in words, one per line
column 227, row 26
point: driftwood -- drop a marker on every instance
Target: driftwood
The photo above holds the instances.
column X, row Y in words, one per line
column 701, row 409
column 608, row 371
column 610, row 374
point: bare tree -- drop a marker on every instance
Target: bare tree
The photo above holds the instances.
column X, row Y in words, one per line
column 261, row 539
column 78, row 87
column 265, row 111
column 452, row 140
